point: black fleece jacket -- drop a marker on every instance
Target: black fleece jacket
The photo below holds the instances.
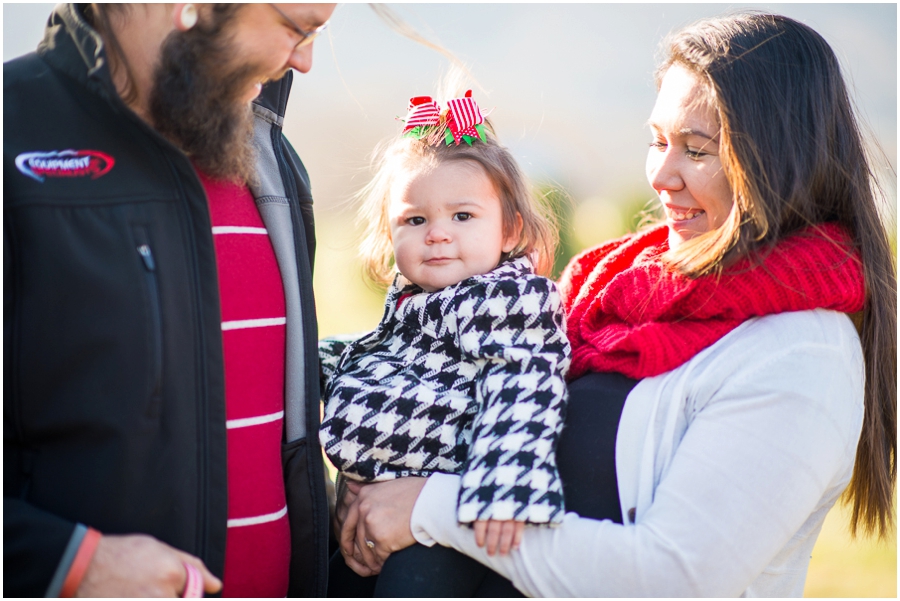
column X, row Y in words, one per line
column 113, row 391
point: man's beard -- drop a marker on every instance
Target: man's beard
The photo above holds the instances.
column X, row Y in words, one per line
column 196, row 101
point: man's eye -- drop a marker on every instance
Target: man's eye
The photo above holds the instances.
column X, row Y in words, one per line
column 462, row 216
column 415, row 220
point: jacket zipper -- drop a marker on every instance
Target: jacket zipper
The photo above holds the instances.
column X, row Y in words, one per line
column 203, row 524
column 149, row 262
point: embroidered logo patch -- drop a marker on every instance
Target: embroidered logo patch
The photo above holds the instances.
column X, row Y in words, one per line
column 64, row 163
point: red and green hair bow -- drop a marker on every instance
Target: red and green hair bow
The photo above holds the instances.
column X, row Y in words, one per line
column 462, row 118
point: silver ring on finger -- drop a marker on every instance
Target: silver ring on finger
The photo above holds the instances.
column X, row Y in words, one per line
column 370, row 544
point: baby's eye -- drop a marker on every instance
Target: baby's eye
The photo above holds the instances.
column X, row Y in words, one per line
column 415, row 220
column 462, row 216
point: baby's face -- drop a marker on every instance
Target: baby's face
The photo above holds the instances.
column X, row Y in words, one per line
column 446, row 225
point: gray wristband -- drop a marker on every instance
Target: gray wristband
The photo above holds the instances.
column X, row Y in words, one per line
column 65, row 564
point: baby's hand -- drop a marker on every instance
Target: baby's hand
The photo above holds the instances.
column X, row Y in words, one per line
column 504, row 535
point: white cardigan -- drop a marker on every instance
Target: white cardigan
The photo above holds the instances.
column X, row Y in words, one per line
column 731, row 462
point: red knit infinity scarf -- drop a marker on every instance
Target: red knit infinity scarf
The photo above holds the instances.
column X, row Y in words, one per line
column 629, row 313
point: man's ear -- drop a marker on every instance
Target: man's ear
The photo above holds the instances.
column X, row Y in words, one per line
column 510, row 242
column 184, row 16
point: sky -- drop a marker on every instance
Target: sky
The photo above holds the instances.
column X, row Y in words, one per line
column 570, row 86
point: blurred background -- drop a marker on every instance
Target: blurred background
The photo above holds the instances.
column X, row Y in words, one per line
column 571, row 87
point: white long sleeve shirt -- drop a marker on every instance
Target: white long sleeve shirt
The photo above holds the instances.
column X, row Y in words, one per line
column 730, row 463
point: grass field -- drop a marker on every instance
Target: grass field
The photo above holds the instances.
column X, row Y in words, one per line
column 843, row 567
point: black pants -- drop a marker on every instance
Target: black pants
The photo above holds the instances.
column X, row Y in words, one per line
column 420, row 571
column 586, row 457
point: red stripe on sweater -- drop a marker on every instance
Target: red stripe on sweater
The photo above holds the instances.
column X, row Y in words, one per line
column 257, row 387
column 249, row 452
column 249, row 569
column 252, row 285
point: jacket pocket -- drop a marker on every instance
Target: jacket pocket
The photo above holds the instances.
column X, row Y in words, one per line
column 148, row 265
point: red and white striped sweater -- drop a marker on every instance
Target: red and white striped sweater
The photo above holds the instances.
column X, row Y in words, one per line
column 257, row 553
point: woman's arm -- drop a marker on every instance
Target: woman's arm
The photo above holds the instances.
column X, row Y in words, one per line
column 753, row 466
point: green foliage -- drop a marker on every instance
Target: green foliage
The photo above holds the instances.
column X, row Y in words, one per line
column 560, row 203
column 637, row 208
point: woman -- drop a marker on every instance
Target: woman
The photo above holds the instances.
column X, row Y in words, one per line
column 716, row 348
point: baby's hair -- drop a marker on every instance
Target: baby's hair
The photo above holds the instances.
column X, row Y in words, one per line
column 539, row 232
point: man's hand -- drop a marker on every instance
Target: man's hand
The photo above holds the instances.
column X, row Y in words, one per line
column 502, row 535
column 377, row 522
column 137, row 565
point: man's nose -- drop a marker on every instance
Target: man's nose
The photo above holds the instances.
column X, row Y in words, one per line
column 301, row 58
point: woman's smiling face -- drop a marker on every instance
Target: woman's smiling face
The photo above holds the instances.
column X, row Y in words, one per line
column 683, row 164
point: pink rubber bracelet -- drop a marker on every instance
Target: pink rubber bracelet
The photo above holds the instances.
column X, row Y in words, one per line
column 193, row 586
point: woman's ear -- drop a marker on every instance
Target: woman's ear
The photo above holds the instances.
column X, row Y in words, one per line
column 510, row 242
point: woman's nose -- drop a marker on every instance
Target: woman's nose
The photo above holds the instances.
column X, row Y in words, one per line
column 301, row 58
column 663, row 171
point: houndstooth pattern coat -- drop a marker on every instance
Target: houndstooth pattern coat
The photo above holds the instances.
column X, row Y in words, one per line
column 467, row 379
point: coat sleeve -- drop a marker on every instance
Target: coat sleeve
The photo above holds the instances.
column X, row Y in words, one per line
column 513, row 330
column 38, row 549
column 34, row 541
column 330, row 350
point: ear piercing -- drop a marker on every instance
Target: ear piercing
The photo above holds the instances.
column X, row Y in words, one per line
column 188, row 16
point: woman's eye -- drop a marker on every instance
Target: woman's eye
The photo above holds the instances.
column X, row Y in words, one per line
column 415, row 220
column 694, row 154
column 658, row 145
column 462, row 216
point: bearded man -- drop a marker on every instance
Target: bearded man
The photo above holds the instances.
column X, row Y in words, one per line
column 161, row 381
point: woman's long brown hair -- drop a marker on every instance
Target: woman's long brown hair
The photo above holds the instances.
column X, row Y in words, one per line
column 794, row 156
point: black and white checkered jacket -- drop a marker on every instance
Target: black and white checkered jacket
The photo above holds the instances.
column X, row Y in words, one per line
column 468, row 379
